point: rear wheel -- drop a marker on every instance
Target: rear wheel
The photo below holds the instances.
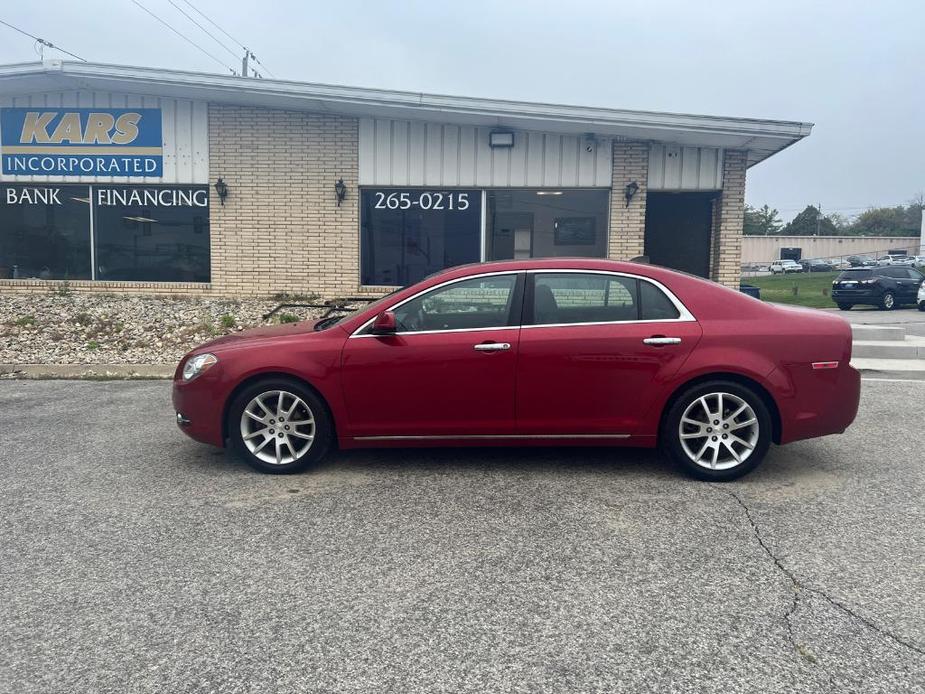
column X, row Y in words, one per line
column 922, row 306
column 888, row 301
column 717, row 431
column 279, row 426
column 845, row 307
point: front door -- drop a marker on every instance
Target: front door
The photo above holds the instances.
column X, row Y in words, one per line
column 597, row 353
column 447, row 371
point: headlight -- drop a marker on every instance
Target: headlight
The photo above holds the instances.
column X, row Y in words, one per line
column 198, row 364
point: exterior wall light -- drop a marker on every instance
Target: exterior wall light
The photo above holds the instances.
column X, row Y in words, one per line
column 221, row 189
column 501, row 139
column 630, row 191
column 340, row 190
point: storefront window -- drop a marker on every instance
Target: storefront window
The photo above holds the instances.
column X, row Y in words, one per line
column 152, row 234
column 408, row 234
column 546, row 223
column 44, row 232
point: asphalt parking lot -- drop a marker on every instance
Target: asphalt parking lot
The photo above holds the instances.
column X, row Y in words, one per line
column 135, row 560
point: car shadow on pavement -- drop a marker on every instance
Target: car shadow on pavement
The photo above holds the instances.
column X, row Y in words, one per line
column 619, row 462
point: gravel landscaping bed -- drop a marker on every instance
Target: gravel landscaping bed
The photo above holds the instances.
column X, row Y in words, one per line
column 65, row 328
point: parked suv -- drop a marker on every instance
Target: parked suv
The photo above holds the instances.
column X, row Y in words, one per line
column 886, row 287
column 785, row 266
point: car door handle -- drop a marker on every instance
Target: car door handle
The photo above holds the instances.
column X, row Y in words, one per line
column 492, row 346
column 661, row 340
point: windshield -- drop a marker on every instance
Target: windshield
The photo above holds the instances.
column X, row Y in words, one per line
column 331, row 321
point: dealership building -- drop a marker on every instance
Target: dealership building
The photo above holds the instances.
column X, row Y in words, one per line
column 126, row 179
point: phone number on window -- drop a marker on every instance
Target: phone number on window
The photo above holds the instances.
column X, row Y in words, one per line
column 423, row 201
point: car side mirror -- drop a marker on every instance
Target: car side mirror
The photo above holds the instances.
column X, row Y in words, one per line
column 385, row 323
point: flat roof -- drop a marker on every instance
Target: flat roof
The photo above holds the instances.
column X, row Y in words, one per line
column 761, row 138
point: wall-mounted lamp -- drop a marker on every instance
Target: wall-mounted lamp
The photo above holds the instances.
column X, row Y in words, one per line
column 221, row 189
column 629, row 191
column 340, row 190
column 501, row 139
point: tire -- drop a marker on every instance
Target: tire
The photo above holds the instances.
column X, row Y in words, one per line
column 734, row 459
column 887, row 301
column 269, row 448
column 845, row 307
column 922, row 306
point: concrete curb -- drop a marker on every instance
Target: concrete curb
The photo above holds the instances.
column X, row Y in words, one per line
column 101, row 372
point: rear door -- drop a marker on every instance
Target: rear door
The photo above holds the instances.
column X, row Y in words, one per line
column 596, row 351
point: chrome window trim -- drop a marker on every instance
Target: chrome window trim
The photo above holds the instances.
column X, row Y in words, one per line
column 358, row 331
column 684, row 316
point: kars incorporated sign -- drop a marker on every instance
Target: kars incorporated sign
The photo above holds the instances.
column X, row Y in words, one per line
column 81, row 142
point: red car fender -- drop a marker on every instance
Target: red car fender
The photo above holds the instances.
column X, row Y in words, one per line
column 709, row 360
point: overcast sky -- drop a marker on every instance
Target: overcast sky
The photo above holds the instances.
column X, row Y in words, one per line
column 855, row 69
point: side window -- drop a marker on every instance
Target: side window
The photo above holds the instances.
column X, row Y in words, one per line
column 914, row 274
column 894, row 272
column 654, row 304
column 573, row 297
column 481, row 302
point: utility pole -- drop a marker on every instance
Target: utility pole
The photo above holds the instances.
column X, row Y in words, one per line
column 244, row 72
column 818, row 217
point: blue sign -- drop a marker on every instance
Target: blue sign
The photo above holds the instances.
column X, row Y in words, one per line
column 81, row 142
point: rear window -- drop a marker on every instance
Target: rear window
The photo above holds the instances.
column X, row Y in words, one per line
column 854, row 275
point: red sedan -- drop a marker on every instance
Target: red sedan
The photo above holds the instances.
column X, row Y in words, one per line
column 535, row 352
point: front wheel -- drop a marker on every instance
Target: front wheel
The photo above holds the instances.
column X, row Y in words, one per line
column 888, row 301
column 845, row 307
column 717, row 431
column 279, row 426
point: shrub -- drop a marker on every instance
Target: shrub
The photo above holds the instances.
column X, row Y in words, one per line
column 288, row 318
column 92, row 345
column 84, row 319
column 227, row 321
column 63, row 289
column 25, row 320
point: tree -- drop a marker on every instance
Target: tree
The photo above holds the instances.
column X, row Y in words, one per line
column 811, row 222
column 762, row 221
column 902, row 220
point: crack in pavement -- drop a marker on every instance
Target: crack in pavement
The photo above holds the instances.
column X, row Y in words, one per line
column 798, row 586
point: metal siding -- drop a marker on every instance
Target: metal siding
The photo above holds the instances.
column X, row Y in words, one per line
column 417, row 139
column 185, row 128
column 450, row 155
column 399, row 153
column 676, row 168
column 467, row 145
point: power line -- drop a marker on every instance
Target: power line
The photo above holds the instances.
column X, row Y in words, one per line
column 204, row 16
column 233, row 39
column 185, row 38
column 49, row 44
column 206, row 31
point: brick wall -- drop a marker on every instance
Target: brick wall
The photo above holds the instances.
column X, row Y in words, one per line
column 628, row 224
column 728, row 217
column 280, row 229
column 34, row 286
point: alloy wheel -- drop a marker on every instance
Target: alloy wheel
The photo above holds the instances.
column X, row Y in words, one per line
column 718, row 431
column 277, row 427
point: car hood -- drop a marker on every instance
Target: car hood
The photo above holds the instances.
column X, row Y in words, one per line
column 252, row 335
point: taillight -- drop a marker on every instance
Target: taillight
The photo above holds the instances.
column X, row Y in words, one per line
column 821, row 365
